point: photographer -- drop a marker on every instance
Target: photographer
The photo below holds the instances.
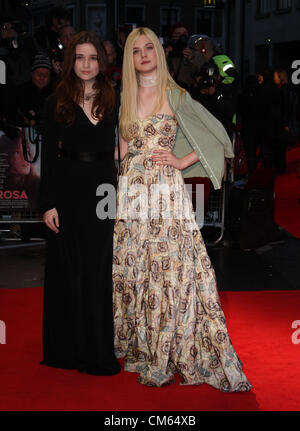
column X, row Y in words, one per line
column 56, row 53
column 218, row 98
column 182, row 60
column 113, row 70
column 120, row 38
column 65, row 35
column 30, row 96
column 47, row 36
column 209, row 51
column 17, row 50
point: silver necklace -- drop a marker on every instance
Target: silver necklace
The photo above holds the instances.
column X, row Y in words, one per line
column 89, row 96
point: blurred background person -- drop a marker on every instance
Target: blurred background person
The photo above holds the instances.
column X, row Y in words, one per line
column 272, row 116
column 65, row 36
column 277, row 110
column 289, row 105
column 30, row 97
column 17, row 50
column 47, row 35
column 181, row 59
column 260, row 77
column 120, row 38
column 208, row 50
column 218, row 98
column 252, row 117
column 113, row 71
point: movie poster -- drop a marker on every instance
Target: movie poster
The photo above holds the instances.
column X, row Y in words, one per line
column 19, row 174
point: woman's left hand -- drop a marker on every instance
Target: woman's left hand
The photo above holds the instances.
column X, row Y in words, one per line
column 163, row 157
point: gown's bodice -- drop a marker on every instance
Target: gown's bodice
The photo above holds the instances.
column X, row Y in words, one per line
column 152, row 133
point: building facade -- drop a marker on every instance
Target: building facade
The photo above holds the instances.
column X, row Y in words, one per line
column 276, row 34
column 200, row 16
column 256, row 34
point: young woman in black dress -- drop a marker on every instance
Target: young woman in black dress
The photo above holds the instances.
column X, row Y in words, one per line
column 78, row 156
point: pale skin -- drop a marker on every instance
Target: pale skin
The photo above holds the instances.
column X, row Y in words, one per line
column 145, row 62
column 86, row 67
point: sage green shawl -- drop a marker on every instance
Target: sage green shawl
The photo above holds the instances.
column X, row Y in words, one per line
column 201, row 132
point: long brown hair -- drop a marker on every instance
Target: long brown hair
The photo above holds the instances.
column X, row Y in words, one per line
column 70, row 90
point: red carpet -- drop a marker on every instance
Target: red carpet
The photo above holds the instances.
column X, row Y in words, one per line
column 259, row 323
column 260, row 328
column 287, row 193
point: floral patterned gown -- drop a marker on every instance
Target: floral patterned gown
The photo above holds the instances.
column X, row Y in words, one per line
column 167, row 312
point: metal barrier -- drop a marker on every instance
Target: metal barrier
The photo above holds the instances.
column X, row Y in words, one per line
column 218, row 201
column 14, row 211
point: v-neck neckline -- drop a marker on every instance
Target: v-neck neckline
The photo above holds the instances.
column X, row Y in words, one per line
column 95, row 125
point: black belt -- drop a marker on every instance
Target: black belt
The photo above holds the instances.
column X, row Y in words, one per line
column 85, row 156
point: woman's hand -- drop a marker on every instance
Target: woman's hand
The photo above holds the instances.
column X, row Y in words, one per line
column 51, row 220
column 163, row 157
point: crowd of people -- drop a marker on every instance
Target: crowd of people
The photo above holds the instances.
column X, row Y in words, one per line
column 138, row 285
column 265, row 105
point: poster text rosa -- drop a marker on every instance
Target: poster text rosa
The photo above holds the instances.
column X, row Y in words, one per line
column 13, row 194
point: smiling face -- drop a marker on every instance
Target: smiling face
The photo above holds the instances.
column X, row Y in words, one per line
column 144, row 55
column 86, row 64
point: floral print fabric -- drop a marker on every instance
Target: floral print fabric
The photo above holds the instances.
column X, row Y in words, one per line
column 167, row 312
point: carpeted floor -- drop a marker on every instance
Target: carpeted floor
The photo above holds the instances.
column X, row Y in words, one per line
column 260, row 326
column 259, row 323
column 287, row 194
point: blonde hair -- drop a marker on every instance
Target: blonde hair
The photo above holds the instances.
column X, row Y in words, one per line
column 130, row 80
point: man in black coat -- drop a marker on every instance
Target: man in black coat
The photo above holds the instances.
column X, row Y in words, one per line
column 218, row 98
column 30, row 96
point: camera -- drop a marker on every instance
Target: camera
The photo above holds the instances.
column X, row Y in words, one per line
column 208, row 75
column 178, row 45
column 56, row 53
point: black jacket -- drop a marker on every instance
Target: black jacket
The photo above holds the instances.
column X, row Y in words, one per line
column 222, row 104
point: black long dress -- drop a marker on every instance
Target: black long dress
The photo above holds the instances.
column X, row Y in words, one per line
column 77, row 320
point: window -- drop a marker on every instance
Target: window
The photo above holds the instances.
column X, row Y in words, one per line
column 204, row 21
column 135, row 14
column 263, row 7
column 168, row 17
column 71, row 10
column 96, row 19
column 283, row 4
